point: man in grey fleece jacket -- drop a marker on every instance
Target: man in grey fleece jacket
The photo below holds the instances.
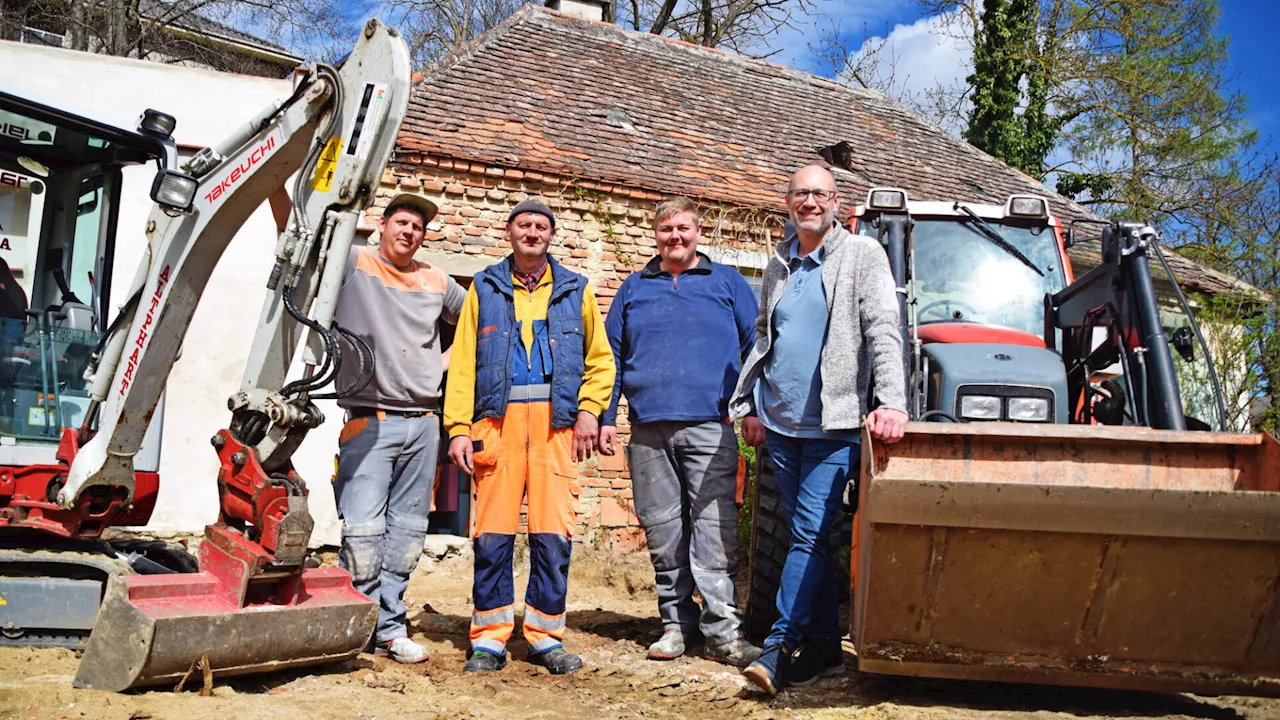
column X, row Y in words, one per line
column 828, row 323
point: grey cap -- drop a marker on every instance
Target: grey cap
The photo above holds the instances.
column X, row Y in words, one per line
column 416, row 203
column 532, row 206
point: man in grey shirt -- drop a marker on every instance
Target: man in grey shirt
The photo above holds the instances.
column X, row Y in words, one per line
column 828, row 322
column 389, row 445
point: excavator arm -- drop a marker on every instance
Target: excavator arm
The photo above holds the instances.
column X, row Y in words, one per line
column 253, row 606
column 336, row 132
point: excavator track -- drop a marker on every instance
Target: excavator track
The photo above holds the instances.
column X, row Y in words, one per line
column 51, row 593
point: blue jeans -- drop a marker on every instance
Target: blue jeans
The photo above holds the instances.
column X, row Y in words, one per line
column 386, row 474
column 811, row 476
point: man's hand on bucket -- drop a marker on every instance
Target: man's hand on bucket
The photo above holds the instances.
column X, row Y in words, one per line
column 887, row 424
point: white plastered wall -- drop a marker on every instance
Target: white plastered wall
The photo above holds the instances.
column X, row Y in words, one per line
column 208, row 105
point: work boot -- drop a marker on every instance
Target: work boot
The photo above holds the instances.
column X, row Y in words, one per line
column 737, row 652
column 816, row 660
column 668, row 647
column 402, row 650
column 769, row 671
column 557, row 660
column 482, row 661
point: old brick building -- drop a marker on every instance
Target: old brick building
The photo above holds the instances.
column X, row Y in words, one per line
column 602, row 122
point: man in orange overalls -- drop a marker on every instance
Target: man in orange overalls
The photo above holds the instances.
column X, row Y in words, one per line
column 532, row 370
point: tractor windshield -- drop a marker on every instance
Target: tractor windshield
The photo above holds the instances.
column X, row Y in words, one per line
column 962, row 276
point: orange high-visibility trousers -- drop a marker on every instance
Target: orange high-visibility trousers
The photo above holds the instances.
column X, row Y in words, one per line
column 522, row 456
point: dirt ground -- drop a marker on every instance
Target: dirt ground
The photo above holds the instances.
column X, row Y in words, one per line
column 612, row 617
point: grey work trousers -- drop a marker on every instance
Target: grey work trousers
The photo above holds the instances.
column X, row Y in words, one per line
column 386, row 475
column 684, row 479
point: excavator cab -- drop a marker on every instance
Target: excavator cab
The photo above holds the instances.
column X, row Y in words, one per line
column 60, row 190
column 60, row 182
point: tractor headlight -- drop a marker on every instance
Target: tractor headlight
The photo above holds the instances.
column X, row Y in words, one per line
column 174, row 190
column 980, row 407
column 1023, row 409
column 887, row 199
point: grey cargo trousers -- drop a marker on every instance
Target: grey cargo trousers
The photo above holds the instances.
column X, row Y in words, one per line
column 684, row 479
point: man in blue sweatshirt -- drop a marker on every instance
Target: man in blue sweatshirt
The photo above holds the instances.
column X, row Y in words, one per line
column 679, row 330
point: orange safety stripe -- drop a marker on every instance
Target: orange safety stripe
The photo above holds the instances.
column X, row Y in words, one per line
column 423, row 278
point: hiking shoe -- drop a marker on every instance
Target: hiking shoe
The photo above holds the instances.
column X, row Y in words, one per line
column 668, row 647
column 737, row 652
column 815, row 661
column 401, row 650
column 769, row 671
column 482, row 661
column 558, row 660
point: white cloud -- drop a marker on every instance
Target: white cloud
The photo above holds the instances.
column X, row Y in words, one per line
column 921, row 64
column 844, row 16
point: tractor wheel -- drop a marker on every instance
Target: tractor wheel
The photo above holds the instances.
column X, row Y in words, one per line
column 770, row 540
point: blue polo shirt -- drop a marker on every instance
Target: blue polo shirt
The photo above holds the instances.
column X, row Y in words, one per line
column 789, row 396
column 679, row 341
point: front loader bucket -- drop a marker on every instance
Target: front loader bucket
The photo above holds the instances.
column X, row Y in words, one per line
column 153, row 629
column 1098, row 556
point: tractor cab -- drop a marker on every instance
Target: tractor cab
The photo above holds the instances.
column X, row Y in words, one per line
column 975, row 279
column 60, row 189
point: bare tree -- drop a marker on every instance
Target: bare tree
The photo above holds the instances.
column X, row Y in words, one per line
column 178, row 31
column 435, row 28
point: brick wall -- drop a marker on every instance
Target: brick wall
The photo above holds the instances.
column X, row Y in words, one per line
column 603, row 231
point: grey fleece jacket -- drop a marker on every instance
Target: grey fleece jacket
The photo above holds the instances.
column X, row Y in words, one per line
column 862, row 331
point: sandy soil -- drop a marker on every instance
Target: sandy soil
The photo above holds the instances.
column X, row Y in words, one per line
column 612, row 617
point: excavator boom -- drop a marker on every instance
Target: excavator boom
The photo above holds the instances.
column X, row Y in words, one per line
column 253, row 606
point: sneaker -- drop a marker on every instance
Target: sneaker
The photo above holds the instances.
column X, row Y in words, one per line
column 737, row 652
column 482, row 661
column 668, row 647
column 402, row 650
column 769, row 671
column 558, row 660
column 815, row 661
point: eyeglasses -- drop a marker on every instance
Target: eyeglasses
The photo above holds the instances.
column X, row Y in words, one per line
column 819, row 195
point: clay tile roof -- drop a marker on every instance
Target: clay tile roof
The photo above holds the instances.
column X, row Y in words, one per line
column 575, row 98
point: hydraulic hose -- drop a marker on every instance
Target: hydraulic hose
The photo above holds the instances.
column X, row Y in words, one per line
column 1218, row 397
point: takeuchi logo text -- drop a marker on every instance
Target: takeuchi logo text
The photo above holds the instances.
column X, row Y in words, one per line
column 243, row 169
column 140, row 343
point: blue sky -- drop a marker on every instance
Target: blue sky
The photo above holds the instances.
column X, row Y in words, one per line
column 924, row 56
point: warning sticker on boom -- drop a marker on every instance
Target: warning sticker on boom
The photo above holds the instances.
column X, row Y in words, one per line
column 327, row 165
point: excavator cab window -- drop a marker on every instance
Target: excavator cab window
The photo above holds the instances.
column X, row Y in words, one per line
column 59, row 190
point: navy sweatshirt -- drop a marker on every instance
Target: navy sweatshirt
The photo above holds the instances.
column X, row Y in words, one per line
column 679, row 341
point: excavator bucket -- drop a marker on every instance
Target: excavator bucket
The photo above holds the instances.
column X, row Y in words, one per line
column 155, row 629
column 1097, row 556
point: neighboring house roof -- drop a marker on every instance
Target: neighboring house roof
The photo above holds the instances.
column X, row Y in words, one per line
column 182, row 17
column 576, row 98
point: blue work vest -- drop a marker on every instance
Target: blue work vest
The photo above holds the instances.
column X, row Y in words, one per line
column 497, row 335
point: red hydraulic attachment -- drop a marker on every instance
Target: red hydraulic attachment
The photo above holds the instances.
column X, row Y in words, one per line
column 251, row 608
column 28, row 498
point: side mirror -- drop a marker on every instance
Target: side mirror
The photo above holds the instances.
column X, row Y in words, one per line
column 1184, row 342
column 1071, row 236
